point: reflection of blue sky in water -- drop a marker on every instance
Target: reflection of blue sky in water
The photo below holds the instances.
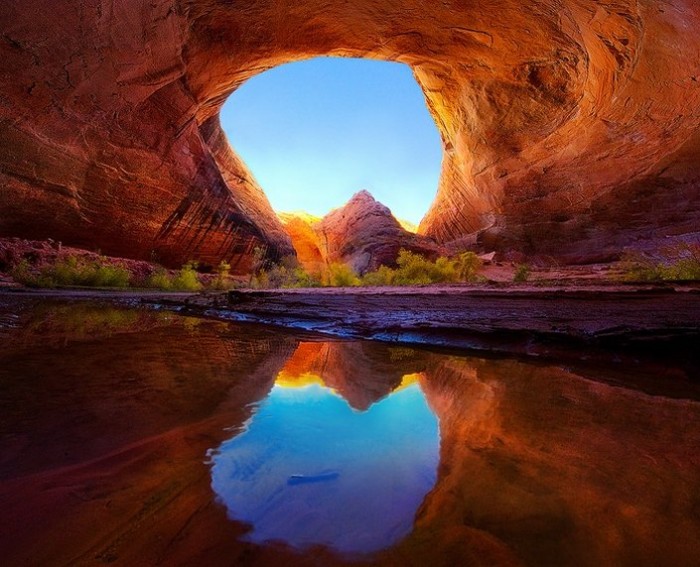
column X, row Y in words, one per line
column 311, row 470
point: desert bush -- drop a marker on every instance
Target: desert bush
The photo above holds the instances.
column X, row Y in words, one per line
column 280, row 276
column 22, row 273
column 414, row 269
column 342, row 275
column 221, row 281
column 383, row 276
column 679, row 262
column 159, row 279
column 468, row 265
column 637, row 267
column 522, row 273
column 258, row 265
column 303, row 279
column 187, row 278
column 75, row 271
column 687, row 263
column 260, row 280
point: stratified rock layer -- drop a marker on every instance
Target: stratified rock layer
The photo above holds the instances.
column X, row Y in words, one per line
column 570, row 127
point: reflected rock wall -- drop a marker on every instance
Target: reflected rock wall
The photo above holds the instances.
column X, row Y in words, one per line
column 538, row 465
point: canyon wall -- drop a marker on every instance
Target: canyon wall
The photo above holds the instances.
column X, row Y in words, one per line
column 570, row 127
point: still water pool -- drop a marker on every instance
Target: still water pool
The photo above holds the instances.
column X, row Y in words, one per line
column 140, row 437
column 352, row 480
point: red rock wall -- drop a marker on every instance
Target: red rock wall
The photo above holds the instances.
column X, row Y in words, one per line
column 570, row 127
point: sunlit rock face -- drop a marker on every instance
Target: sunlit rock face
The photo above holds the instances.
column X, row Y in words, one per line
column 569, row 127
column 362, row 234
column 300, row 228
column 365, row 235
column 524, row 451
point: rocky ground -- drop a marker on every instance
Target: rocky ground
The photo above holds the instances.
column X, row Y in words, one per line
column 536, row 321
column 561, row 311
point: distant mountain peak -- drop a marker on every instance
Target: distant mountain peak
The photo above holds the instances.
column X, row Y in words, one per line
column 362, row 195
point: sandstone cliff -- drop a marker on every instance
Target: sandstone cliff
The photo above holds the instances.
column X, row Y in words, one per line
column 570, row 127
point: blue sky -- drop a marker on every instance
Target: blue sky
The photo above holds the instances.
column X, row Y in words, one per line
column 315, row 132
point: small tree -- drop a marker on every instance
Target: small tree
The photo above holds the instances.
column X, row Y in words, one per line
column 468, row 265
column 223, row 271
column 258, row 263
column 522, row 273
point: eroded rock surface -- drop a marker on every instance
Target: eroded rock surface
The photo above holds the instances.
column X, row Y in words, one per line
column 570, row 127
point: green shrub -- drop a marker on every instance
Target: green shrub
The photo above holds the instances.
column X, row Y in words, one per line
column 678, row 262
column 342, row 275
column 160, row 279
column 260, row 280
column 187, row 278
column 221, row 281
column 303, row 279
column 414, row 269
column 22, row 273
column 383, row 276
column 75, row 271
column 258, row 266
column 278, row 276
column 468, row 265
column 522, row 273
column 686, row 269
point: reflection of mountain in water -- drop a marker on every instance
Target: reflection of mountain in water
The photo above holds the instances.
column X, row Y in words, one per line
column 335, row 455
column 358, row 371
column 310, row 470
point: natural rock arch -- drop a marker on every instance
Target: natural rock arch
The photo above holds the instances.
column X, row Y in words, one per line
column 570, row 127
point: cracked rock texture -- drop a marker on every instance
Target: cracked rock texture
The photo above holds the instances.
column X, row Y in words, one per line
column 570, row 127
